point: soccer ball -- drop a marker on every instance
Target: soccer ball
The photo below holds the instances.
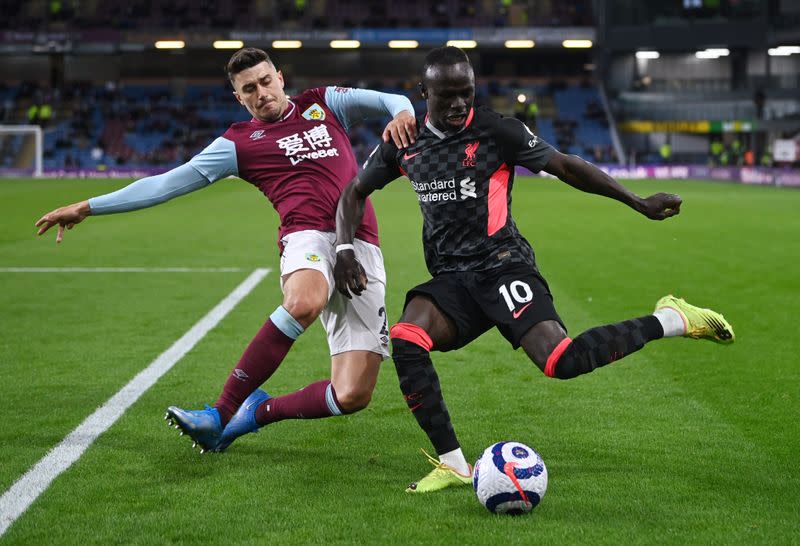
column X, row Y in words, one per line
column 509, row 478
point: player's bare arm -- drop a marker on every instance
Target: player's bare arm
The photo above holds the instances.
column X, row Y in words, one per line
column 65, row 217
column 348, row 273
column 586, row 177
column 402, row 130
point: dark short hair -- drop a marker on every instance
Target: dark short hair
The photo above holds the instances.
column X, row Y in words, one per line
column 245, row 58
column 445, row 55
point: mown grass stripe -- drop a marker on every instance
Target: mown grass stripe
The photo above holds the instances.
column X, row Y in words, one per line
column 33, row 483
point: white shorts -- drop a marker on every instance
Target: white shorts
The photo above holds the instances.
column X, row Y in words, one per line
column 357, row 324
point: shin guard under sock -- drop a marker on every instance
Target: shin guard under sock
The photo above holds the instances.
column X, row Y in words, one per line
column 420, row 385
column 315, row 401
column 259, row 361
column 600, row 346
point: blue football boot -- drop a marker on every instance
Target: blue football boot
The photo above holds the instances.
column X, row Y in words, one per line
column 244, row 420
column 202, row 426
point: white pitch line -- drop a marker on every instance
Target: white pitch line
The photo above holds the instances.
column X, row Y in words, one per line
column 120, row 269
column 35, row 481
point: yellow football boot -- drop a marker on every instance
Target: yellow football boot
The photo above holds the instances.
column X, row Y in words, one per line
column 700, row 323
column 441, row 477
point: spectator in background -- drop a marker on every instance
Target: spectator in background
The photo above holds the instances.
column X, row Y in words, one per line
column 33, row 114
column 97, row 152
column 716, row 151
column 665, row 151
column 532, row 113
column 736, row 150
column 724, row 157
column 45, row 114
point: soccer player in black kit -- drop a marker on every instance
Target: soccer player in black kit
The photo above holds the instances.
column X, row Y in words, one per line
column 484, row 271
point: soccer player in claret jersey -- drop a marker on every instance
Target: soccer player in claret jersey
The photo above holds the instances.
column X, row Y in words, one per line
column 297, row 152
column 484, row 271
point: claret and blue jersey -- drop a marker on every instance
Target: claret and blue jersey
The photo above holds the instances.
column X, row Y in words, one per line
column 301, row 162
column 463, row 181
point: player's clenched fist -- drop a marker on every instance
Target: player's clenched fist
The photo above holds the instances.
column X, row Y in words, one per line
column 661, row 206
column 64, row 217
column 348, row 274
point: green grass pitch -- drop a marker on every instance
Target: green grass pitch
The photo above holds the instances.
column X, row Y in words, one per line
column 684, row 442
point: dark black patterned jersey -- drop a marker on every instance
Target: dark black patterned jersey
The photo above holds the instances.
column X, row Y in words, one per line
column 463, row 181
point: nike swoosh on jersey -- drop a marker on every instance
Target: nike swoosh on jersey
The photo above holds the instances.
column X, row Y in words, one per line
column 516, row 314
column 409, row 156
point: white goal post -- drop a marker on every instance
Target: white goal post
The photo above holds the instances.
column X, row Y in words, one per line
column 34, row 130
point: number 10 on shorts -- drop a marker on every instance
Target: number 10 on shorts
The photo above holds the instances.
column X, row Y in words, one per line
column 516, row 291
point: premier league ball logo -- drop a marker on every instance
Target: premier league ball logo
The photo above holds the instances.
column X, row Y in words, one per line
column 510, row 478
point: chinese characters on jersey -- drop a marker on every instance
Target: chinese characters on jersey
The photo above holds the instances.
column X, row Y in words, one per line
column 313, row 144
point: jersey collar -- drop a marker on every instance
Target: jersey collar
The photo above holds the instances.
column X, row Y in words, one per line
column 443, row 135
column 291, row 110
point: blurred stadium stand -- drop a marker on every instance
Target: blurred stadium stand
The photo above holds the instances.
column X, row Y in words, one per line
column 116, row 101
column 140, row 125
column 288, row 14
column 718, row 79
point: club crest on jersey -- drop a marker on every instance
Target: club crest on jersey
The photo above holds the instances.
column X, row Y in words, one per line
column 311, row 257
column 314, row 113
column 470, row 150
column 257, row 135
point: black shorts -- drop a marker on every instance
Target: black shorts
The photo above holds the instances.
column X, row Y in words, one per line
column 513, row 298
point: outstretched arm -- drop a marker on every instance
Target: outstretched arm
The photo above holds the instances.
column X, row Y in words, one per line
column 348, row 273
column 143, row 193
column 586, row 177
column 216, row 161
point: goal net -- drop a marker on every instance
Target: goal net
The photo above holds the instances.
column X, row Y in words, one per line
column 21, row 150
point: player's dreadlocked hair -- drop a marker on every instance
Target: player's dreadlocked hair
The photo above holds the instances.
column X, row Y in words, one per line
column 445, row 55
column 245, row 58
